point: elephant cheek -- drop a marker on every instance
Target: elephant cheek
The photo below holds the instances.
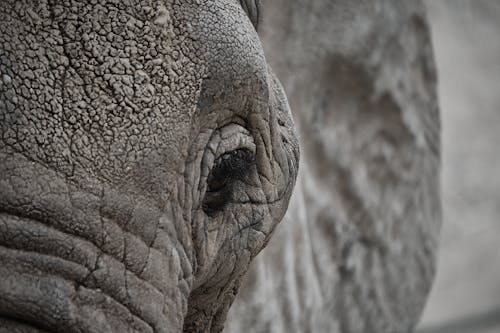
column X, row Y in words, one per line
column 87, row 258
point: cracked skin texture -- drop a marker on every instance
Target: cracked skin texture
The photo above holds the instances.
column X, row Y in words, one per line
column 109, row 115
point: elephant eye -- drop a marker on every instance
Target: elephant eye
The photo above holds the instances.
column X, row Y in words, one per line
column 227, row 170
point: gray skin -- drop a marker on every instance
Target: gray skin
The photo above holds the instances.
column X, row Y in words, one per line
column 116, row 212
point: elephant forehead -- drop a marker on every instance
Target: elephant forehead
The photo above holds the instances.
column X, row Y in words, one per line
column 99, row 86
column 103, row 86
column 231, row 50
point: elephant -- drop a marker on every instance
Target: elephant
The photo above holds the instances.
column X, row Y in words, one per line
column 147, row 153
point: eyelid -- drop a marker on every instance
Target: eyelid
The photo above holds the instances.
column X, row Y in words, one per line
column 231, row 137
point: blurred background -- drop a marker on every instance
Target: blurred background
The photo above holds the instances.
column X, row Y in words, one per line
column 466, row 293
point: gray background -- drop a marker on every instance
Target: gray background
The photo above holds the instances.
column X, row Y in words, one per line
column 466, row 292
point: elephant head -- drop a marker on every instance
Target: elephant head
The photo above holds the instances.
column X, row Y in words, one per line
column 147, row 153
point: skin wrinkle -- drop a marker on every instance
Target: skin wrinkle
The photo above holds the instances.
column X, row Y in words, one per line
column 97, row 245
column 119, row 170
column 11, row 239
column 95, row 268
column 78, row 285
column 12, row 325
column 32, row 258
column 117, row 258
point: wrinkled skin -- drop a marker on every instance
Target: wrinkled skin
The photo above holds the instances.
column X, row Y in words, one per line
column 112, row 116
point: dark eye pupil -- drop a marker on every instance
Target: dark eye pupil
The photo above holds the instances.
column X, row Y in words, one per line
column 227, row 169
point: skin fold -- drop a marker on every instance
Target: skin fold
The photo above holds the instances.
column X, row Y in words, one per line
column 119, row 122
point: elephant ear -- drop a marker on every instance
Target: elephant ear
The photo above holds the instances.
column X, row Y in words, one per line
column 253, row 10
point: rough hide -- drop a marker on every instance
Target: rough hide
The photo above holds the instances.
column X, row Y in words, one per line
column 146, row 155
column 356, row 251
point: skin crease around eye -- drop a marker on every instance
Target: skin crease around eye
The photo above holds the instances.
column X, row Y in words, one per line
column 253, row 10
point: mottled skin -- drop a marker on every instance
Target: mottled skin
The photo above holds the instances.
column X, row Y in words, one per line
column 112, row 114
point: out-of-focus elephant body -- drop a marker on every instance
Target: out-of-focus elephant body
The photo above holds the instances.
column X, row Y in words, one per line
column 356, row 251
